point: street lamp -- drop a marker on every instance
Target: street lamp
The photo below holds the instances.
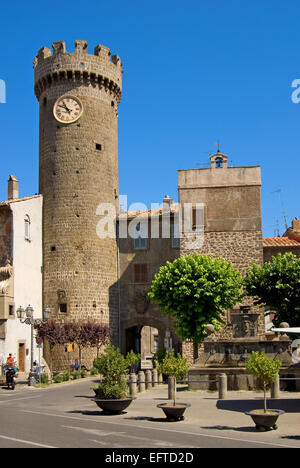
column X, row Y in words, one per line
column 26, row 316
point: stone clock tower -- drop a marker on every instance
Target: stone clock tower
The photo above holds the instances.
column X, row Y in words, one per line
column 78, row 96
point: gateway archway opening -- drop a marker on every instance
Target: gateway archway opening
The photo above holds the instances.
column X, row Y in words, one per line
column 144, row 340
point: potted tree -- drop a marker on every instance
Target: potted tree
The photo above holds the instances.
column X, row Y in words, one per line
column 266, row 370
column 176, row 368
column 112, row 392
column 133, row 360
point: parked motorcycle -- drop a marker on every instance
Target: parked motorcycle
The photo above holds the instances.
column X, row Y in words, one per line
column 11, row 377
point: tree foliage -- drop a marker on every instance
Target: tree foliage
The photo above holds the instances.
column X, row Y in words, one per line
column 194, row 291
column 113, row 367
column 84, row 334
column 264, row 368
column 51, row 332
column 99, row 336
column 276, row 285
column 111, row 363
column 133, row 359
column 174, row 366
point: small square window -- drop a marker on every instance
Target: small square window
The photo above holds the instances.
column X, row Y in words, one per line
column 98, row 147
column 63, row 308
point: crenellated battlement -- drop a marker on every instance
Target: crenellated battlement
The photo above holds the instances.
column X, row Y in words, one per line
column 100, row 69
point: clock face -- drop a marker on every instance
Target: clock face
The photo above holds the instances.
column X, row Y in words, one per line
column 67, row 109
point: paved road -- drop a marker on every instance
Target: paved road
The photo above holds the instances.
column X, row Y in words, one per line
column 66, row 417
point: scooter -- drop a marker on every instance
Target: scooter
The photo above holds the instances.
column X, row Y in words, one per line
column 11, row 377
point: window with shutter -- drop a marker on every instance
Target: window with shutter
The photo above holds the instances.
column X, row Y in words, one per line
column 139, row 242
column 175, row 236
column 27, row 227
column 198, row 217
column 140, row 273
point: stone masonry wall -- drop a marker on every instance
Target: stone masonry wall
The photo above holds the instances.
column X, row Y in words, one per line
column 80, row 269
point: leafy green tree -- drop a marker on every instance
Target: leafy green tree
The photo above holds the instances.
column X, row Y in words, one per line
column 174, row 366
column 276, row 285
column 194, row 291
column 51, row 332
column 264, row 368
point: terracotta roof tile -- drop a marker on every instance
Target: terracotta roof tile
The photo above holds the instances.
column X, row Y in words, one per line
column 280, row 242
column 147, row 213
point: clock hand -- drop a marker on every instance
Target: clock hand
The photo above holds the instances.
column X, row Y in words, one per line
column 65, row 107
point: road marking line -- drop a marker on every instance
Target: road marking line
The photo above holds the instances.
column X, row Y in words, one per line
column 26, row 442
column 199, row 434
column 99, row 442
column 91, row 431
column 17, row 399
column 124, row 434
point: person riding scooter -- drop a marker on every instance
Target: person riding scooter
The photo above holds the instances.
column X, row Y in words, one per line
column 10, row 372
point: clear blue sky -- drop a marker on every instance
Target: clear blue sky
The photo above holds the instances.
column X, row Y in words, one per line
column 195, row 72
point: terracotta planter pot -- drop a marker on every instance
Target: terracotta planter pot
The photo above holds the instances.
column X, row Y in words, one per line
column 113, row 406
column 174, row 413
column 265, row 421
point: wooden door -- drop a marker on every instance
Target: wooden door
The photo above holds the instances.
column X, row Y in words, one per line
column 21, row 358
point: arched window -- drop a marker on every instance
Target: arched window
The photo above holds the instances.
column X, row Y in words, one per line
column 27, row 227
column 219, row 162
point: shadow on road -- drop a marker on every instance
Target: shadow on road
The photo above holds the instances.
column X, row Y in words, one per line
column 95, row 413
column 230, row 428
column 147, row 418
column 241, row 406
column 89, row 397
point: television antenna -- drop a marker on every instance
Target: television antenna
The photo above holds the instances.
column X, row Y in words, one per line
column 279, row 191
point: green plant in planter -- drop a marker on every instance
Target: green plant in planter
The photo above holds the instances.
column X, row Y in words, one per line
column 174, row 366
column 66, row 376
column 44, row 379
column 75, row 375
column 111, row 389
column 58, row 378
column 133, row 360
column 83, row 373
column 94, row 371
column 113, row 367
column 265, row 369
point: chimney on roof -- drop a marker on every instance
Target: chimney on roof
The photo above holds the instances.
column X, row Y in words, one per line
column 296, row 225
column 12, row 188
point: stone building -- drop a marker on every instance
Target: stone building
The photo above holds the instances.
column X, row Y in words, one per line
column 20, row 271
column 78, row 96
column 141, row 256
column 91, row 269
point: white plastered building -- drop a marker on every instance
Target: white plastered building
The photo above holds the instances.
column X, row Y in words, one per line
column 20, row 272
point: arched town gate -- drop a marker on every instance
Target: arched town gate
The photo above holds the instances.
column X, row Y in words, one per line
column 131, row 331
